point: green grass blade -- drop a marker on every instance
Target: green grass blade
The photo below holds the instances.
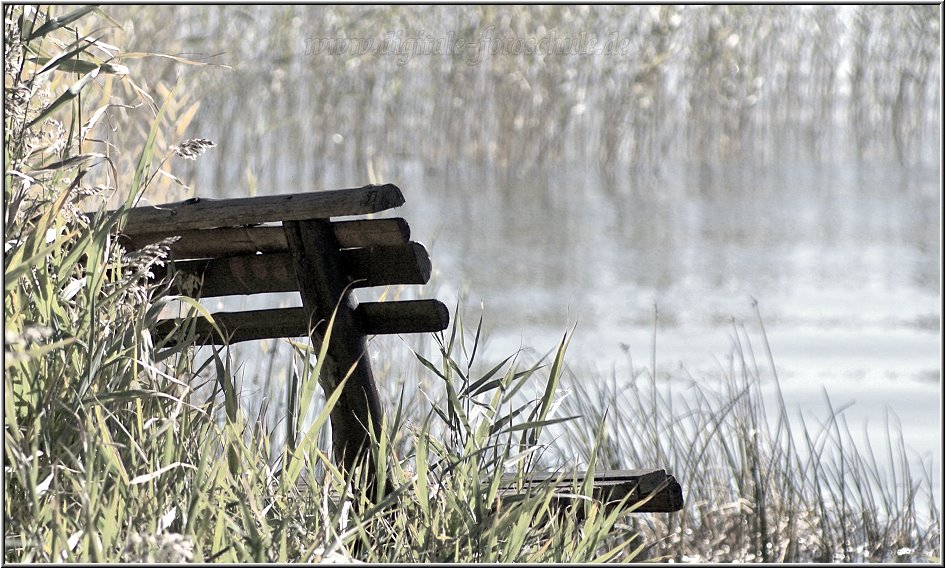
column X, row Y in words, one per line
column 54, row 24
column 70, row 93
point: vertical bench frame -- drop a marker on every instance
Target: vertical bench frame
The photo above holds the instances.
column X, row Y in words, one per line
column 324, row 291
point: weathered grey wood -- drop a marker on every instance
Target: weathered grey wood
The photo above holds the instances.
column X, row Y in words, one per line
column 235, row 275
column 371, row 232
column 384, row 265
column 202, row 213
column 275, row 272
column 373, row 318
column 244, row 326
column 409, row 316
column 236, row 241
column 323, row 289
column 651, row 491
column 215, row 243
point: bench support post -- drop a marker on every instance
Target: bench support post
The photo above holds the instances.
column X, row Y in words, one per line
column 322, row 286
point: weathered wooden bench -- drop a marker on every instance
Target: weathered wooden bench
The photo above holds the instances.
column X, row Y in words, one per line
column 308, row 243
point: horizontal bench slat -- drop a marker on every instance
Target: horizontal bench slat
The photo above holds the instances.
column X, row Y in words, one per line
column 408, row 316
column 210, row 243
column 275, row 272
column 384, row 265
column 235, row 241
column 202, row 213
column 371, row 232
column 374, row 318
column 244, row 326
column 236, row 275
column 660, row 491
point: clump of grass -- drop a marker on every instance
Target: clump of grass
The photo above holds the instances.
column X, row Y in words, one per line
column 97, row 420
column 759, row 485
column 449, row 467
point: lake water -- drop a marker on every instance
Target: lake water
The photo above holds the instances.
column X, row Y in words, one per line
column 845, row 266
column 844, row 263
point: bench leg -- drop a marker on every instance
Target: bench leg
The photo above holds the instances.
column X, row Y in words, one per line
column 322, row 287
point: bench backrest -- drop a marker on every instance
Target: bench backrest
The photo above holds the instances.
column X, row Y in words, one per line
column 297, row 243
column 224, row 249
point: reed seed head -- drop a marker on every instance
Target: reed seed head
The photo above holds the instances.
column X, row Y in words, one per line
column 191, row 149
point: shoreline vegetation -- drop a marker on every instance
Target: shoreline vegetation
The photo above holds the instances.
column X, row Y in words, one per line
column 121, row 446
column 704, row 85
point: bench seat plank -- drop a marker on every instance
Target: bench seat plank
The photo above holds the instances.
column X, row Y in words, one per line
column 652, row 491
column 373, row 318
column 236, row 241
column 275, row 272
column 203, row 213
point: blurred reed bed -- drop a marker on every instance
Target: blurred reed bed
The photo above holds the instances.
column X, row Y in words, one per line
column 121, row 446
column 326, row 89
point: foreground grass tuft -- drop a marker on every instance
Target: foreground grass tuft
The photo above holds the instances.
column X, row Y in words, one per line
column 760, row 484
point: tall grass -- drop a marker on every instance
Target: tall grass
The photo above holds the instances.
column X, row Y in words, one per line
column 122, row 445
column 760, row 485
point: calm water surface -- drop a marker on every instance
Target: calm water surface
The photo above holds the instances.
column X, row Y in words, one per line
column 847, row 273
column 844, row 263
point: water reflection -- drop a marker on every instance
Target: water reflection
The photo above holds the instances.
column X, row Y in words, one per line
column 828, row 260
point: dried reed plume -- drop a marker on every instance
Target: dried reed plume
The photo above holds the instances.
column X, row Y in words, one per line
column 190, row 149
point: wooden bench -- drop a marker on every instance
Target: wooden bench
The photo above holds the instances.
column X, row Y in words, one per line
column 307, row 243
